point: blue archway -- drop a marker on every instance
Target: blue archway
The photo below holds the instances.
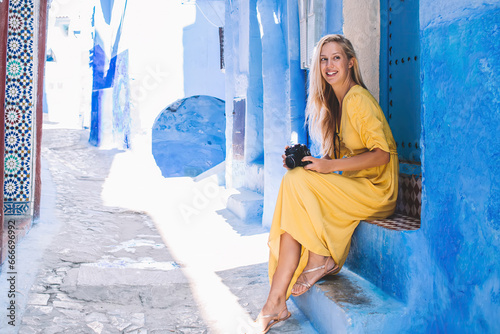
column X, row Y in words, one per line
column 188, row 136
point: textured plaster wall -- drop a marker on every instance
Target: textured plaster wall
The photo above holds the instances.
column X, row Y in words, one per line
column 173, row 41
column 296, row 83
column 188, row 136
column 461, row 157
column 110, row 115
column 335, row 17
column 201, row 60
column 284, row 91
column 68, row 98
column 448, row 271
column 172, row 52
column 277, row 125
column 263, row 67
column 254, row 149
column 230, row 51
column 362, row 28
column 243, row 58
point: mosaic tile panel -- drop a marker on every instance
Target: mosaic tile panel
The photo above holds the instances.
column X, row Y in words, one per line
column 19, row 108
column 409, row 202
column 410, row 194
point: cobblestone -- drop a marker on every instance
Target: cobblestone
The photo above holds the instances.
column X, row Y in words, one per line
column 95, row 267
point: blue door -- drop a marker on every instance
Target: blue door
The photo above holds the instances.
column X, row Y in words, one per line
column 400, row 75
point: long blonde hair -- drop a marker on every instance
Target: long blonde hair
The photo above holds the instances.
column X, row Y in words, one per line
column 322, row 111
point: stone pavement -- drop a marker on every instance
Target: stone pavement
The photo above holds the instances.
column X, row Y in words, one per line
column 120, row 249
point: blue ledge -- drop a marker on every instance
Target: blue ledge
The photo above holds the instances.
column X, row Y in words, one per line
column 347, row 303
column 382, row 256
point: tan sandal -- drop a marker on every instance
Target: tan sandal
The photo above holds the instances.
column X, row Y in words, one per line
column 275, row 318
column 305, row 283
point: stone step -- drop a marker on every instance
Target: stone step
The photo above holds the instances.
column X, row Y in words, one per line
column 217, row 172
column 247, row 205
column 347, row 303
column 134, row 284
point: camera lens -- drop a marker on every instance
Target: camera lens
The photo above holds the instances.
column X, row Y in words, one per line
column 290, row 162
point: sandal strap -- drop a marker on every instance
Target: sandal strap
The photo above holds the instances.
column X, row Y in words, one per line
column 321, row 267
column 274, row 316
column 306, row 284
column 314, row 269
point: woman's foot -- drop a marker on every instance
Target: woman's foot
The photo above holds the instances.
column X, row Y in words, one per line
column 317, row 267
column 271, row 314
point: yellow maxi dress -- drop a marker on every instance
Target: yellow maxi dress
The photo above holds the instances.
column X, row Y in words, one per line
column 321, row 211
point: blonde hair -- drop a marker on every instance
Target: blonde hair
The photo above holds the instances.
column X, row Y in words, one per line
column 322, row 111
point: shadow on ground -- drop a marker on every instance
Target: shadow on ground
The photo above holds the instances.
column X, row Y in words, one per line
column 101, row 269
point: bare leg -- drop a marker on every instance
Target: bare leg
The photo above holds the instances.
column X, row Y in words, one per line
column 287, row 264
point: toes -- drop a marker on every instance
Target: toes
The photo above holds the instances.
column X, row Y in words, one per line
column 261, row 324
column 297, row 288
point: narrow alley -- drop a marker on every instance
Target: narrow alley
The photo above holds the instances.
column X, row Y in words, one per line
column 142, row 170
column 120, row 249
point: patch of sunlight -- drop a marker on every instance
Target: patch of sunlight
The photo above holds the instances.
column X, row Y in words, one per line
column 131, row 245
column 218, row 305
column 185, row 213
column 294, row 138
column 125, row 262
column 276, row 18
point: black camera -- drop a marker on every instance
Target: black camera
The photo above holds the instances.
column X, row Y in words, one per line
column 294, row 155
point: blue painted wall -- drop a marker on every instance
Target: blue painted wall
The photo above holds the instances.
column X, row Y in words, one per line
column 201, row 54
column 243, row 59
column 277, row 118
column 110, row 114
column 461, row 159
column 263, row 67
column 334, row 24
column 120, row 127
column 188, row 136
column 334, row 17
column 448, row 272
column 284, row 86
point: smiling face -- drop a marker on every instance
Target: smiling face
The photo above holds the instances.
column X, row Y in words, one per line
column 335, row 67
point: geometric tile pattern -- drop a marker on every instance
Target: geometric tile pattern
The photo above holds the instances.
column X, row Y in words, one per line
column 14, row 209
column 410, row 195
column 19, row 108
column 409, row 202
column 398, row 222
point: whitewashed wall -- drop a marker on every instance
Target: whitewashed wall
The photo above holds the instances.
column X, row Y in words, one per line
column 362, row 28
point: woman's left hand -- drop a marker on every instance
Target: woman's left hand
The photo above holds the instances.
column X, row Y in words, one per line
column 319, row 165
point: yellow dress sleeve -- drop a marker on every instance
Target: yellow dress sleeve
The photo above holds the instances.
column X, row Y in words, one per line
column 367, row 119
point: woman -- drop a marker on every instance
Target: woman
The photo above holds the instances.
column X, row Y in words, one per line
column 317, row 210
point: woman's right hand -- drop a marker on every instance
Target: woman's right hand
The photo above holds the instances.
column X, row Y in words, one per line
column 284, row 158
